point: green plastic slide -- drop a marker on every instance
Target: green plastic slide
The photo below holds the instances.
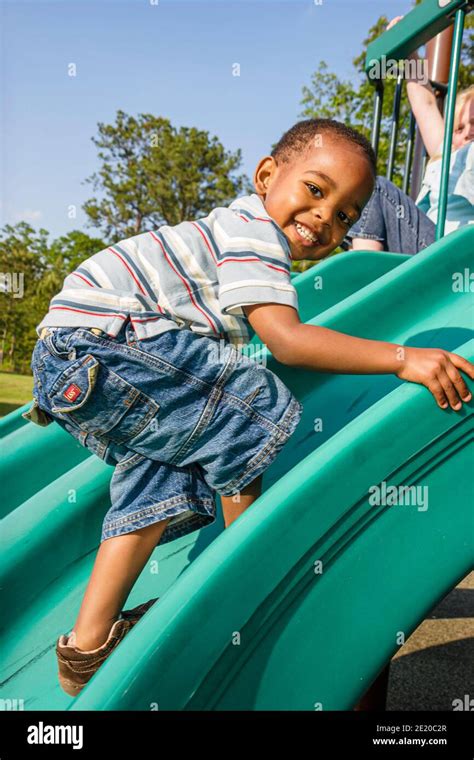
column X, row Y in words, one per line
column 366, row 521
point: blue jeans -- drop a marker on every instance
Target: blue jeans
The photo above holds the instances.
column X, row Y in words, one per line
column 180, row 416
column 394, row 219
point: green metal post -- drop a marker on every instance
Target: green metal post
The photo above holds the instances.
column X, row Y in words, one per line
column 449, row 120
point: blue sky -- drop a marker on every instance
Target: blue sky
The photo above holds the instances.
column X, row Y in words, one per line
column 172, row 59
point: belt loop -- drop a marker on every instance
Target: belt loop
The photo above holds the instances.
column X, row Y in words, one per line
column 130, row 335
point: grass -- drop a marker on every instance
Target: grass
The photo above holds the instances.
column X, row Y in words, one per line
column 15, row 390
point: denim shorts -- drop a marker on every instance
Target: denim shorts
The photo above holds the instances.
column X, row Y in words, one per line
column 180, row 416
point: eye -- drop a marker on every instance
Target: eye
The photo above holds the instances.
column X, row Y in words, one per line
column 344, row 218
column 313, row 188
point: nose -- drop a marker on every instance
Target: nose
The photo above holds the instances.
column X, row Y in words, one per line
column 323, row 222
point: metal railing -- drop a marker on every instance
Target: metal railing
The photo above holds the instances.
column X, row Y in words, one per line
column 417, row 27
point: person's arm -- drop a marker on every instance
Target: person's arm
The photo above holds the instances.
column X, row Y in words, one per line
column 423, row 103
column 318, row 348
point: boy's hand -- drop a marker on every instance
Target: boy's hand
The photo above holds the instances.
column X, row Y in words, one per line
column 438, row 371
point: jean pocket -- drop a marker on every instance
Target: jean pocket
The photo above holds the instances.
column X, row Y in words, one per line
column 99, row 401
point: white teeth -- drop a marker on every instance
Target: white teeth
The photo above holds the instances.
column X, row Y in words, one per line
column 306, row 233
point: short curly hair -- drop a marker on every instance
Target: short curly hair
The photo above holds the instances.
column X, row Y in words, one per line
column 297, row 139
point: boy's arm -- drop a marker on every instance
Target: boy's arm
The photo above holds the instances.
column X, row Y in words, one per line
column 318, row 348
column 423, row 103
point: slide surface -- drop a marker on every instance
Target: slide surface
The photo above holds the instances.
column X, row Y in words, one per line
column 366, row 521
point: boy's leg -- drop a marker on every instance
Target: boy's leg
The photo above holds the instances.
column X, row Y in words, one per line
column 233, row 506
column 118, row 564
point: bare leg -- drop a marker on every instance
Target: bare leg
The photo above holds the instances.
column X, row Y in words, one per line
column 233, row 506
column 118, row 564
column 361, row 244
column 120, row 561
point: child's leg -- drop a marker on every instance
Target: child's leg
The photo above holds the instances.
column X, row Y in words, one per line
column 365, row 244
column 118, row 564
column 233, row 506
column 120, row 561
column 392, row 219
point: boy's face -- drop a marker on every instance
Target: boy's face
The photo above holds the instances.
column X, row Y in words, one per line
column 317, row 196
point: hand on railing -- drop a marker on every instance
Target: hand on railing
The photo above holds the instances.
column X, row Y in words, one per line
column 393, row 22
column 438, row 370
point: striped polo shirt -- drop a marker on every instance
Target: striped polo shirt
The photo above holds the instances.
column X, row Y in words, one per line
column 195, row 275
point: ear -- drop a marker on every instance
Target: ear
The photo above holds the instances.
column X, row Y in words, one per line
column 264, row 174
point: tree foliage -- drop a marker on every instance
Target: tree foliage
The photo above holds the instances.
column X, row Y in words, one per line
column 153, row 174
column 40, row 268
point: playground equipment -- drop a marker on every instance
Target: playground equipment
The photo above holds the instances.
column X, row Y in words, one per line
column 417, row 27
column 298, row 605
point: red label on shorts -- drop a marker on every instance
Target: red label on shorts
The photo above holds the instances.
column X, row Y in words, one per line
column 72, row 392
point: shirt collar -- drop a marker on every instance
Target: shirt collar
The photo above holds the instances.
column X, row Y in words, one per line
column 254, row 204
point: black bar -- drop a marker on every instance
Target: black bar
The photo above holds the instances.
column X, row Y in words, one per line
column 125, row 734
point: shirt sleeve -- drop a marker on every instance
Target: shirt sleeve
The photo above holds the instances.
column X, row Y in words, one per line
column 253, row 263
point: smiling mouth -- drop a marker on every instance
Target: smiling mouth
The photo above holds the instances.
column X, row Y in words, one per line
column 305, row 234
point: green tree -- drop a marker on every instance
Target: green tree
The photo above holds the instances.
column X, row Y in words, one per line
column 37, row 269
column 22, row 263
column 63, row 256
column 154, row 174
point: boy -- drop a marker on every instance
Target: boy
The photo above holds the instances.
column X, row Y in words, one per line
column 128, row 362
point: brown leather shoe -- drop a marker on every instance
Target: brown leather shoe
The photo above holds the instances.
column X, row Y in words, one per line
column 76, row 666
